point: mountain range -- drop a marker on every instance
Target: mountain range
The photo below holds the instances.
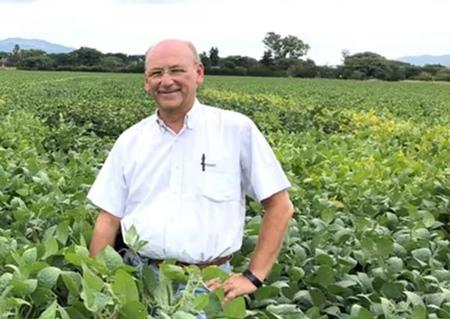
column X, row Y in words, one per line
column 7, row 45
column 427, row 59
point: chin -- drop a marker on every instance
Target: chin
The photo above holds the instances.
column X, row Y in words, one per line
column 169, row 106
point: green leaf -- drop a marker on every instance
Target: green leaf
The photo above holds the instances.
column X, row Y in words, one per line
column 325, row 259
column 422, row 254
column 90, row 280
column 428, row 219
column 324, row 275
column 62, row 233
column 42, row 296
column 133, row 309
column 266, row 292
column 358, row 312
column 282, row 309
column 394, row 264
column 72, row 281
column 63, row 313
column 163, row 293
column 419, row 312
column 50, row 312
column 173, row 272
column 150, row 279
column 124, row 287
column 22, row 288
column 327, row 214
column 317, row 297
column 214, row 307
column 201, row 301
column 111, row 258
column 388, row 308
column 235, row 308
column 296, row 273
column 384, row 245
column 30, row 255
column 47, row 277
column 392, row 290
column 413, row 298
column 183, row 315
column 51, row 247
column 214, row 272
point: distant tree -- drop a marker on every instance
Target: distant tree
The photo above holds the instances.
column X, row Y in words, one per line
column 214, row 56
column 443, row 75
column 304, row 69
column 267, row 58
column 288, row 47
column 32, row 52
column 366, row 65
column 86, row 56
column 204, row 58
column 273, row 42
column 239, row 61
column 433, row 68
column 328, row 72
column 111, row 63
column 15, row 56
column 62, row 59
column 36, row 62
column 423, row 76
column 345, row 53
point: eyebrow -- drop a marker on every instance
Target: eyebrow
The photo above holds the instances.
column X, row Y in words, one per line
column 169, row 67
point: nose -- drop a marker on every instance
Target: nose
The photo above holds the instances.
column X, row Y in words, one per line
column 166, row 79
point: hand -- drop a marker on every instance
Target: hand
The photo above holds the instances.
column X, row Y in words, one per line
column 233, row 287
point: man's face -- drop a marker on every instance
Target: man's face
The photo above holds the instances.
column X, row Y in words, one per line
column 173, row 76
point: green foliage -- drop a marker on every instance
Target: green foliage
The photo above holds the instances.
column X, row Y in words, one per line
column 368, row 162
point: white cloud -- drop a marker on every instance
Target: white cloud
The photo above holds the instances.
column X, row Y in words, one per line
column 391, row 28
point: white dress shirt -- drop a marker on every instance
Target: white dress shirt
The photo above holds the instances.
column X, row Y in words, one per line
column 185, row 192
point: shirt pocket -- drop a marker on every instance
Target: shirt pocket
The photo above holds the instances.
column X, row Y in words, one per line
column 218, row 184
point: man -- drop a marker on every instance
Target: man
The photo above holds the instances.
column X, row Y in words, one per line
column 181, row 175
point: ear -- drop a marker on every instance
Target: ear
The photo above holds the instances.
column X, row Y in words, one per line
column 146, row 84
column 200, row 71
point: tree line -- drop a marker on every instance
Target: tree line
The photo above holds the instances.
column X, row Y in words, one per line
column 283, row 57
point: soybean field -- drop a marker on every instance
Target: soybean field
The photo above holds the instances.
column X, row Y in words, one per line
column 369, row 164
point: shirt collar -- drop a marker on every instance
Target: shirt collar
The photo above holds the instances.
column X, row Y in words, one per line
column 190, row 120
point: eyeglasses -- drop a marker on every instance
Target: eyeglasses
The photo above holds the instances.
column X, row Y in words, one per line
column 174, row 71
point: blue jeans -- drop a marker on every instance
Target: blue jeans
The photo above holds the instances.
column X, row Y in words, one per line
column 139, row 262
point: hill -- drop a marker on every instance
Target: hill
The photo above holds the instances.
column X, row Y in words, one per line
column 7, row 45
column 427, row 59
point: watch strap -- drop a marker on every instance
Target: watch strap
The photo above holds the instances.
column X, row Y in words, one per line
column 252, row 278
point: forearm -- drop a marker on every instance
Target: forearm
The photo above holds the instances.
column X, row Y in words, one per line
column 271, row 235
column 104, row 234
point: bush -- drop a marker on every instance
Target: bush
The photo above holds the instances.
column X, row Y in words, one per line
column 423, row 76
column 443, row 75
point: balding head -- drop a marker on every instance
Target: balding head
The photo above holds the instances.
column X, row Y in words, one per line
column 171, row 45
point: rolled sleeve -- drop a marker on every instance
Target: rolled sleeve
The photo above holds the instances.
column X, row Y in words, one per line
column 262, row 174
column 109, row 190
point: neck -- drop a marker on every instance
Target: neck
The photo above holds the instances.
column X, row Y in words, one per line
column 173, row 119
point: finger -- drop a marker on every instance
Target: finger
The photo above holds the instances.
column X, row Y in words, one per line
column 213, row 284
column 229, row 296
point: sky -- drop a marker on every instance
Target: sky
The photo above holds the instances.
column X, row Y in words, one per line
column 392, row 28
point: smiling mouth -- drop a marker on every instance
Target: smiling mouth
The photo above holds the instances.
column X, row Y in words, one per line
column 169, row 91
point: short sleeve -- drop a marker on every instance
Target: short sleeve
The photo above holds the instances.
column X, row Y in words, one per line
column 262, row 174
column 109, row 190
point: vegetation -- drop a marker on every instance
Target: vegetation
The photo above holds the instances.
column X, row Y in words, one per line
column 283, row 58
column 368, row 162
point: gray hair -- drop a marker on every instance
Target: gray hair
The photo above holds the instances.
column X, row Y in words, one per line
column 189, row 44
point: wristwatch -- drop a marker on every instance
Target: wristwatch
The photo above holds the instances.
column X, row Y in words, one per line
column 253, row 279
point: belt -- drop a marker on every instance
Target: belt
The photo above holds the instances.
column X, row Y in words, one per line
column 215, row 262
